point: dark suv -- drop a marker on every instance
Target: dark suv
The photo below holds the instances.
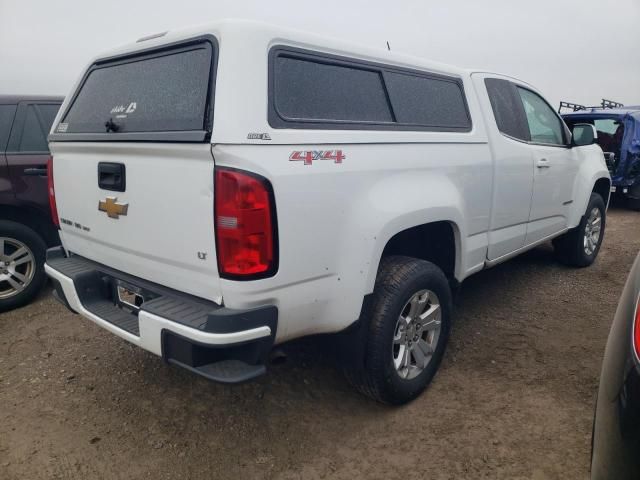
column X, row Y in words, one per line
column 26, row 228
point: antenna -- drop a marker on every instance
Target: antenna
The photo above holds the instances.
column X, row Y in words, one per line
column 388, row 46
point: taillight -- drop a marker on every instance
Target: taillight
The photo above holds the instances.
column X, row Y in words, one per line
column 52, row 193
column 244, row 224
column 636, row 329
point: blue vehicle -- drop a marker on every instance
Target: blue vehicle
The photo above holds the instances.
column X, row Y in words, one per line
column 619, row 137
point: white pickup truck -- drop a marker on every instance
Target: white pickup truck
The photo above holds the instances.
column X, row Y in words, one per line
column 224, row 189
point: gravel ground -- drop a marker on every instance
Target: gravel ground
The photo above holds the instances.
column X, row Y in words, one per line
column 514, row 397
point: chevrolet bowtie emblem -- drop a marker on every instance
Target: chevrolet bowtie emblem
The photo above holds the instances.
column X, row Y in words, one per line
column 112, row 207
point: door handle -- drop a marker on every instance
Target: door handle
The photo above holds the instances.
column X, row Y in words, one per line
column 36, row 172
column 112, row 176
column 543, row 163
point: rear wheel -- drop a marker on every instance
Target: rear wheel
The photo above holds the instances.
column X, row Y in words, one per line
column 22, row 253
column 580, row 246
column 408, row 329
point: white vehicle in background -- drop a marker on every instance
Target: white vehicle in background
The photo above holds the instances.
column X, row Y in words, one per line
column 225, row 189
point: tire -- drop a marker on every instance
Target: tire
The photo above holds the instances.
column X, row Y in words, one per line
column 634, row 204
column 633, row 201
column 29, row 265
column 574, row 247
column 399, row 280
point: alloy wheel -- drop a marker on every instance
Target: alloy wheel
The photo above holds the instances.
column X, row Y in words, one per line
column 592, row 231
column 416, row 334
column 17, row 267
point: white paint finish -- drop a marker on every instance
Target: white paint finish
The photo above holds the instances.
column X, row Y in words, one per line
column 334, row 220
column 513, row 180
column 554, row 171
column 169, row 190
column 592, row 168
column 476, row 252
column 506, row 240
column 151, row 326
column 515, row 253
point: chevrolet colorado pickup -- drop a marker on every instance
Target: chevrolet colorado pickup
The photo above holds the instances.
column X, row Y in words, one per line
column 224, row 189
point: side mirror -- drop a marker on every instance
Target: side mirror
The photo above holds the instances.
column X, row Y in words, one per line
column 583, row 134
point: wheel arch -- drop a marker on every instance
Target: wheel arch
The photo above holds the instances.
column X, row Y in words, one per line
column 599, row 183
column 435, row 242
column 438, row 241
column 602, row 187
column 34, row 219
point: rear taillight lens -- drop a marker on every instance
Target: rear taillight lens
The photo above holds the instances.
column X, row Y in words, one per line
column 636, row 330
column 52, row 193
column 244, row 224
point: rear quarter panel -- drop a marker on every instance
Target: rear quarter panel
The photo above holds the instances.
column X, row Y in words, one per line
column 592, row 168
column 334, row 220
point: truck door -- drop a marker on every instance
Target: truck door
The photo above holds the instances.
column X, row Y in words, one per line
column 555, row 166
column 27, row 152
column 513, row 161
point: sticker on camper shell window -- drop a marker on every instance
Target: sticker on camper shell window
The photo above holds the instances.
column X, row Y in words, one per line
column 308, row 156
column 62, row 127
column 120, row 111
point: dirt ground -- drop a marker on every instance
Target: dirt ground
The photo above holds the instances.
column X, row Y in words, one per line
column 513, row 400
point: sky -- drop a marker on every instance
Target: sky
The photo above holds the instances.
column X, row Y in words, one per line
column 573, row 50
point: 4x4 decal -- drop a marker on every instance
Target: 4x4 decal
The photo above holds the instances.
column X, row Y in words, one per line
column 309, row 156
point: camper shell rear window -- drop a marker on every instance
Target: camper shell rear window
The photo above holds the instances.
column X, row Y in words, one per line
column 163, row 94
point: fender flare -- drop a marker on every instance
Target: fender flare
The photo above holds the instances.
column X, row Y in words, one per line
column 426, row 198
column 585, row 196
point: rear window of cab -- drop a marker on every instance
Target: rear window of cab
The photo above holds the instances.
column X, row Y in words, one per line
column 159, row 94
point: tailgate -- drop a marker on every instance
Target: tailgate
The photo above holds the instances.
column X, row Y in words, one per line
column 167, row 233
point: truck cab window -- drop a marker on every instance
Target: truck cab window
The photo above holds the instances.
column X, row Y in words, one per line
column 544, row 125
column 507, row 109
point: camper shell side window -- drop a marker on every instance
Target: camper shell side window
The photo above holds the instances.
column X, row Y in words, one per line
column 313, row 90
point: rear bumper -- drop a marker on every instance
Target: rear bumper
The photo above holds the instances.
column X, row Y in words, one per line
column 224, row 345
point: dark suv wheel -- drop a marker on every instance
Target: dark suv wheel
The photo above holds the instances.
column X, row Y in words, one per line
column 407, row 330
column 22, row 255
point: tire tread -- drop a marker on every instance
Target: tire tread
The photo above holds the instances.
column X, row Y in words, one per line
column 568, row 247
column 393, row 274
